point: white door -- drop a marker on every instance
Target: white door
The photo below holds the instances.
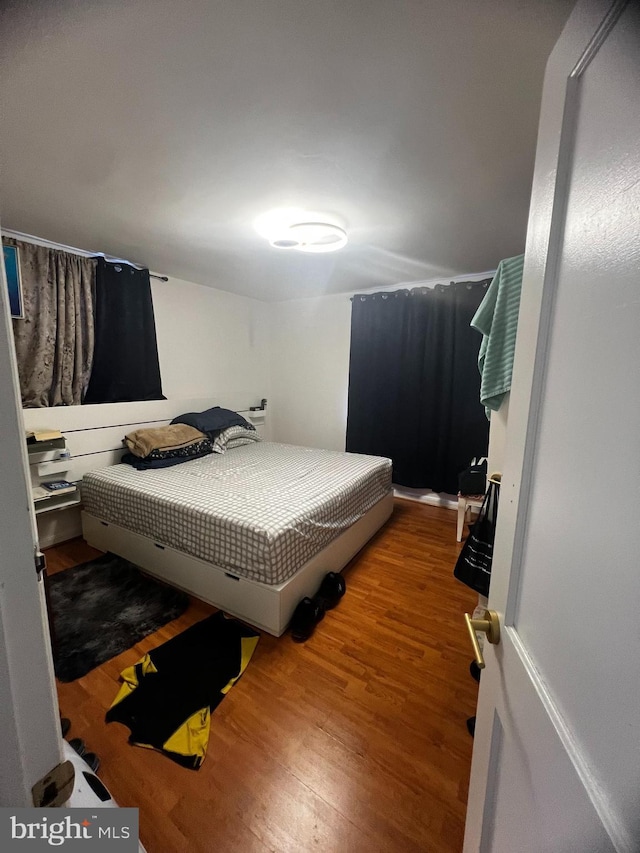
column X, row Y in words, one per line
column 30, row 739
column 556, row 762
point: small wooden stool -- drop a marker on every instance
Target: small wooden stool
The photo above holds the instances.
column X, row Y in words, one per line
column 465, row 504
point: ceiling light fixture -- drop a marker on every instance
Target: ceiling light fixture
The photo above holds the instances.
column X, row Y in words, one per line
column 318, row 237
column 291, row 228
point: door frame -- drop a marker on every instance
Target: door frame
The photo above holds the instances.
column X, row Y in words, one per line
column 589, row 24
column 30, row 736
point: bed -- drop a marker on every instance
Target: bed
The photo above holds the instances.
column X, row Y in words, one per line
column 251, row 531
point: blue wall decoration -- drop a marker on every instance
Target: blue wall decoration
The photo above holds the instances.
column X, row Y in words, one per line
column 14, row 282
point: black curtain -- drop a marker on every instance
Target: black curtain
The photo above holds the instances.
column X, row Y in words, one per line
column 125, row 358
column 414, row 384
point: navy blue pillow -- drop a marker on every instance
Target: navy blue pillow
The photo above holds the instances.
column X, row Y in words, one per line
column 212, row 421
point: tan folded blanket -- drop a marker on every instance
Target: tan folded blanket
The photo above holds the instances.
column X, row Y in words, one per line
column 171, row 437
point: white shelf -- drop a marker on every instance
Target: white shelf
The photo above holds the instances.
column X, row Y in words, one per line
column 59, row 466
column 48, row 459
column 58, row 502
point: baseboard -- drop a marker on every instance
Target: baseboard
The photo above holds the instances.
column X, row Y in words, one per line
column 426, row 496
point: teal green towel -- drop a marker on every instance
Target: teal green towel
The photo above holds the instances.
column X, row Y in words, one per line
column 497, row 320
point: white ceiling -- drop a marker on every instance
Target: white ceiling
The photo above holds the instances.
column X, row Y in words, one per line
column 158, row 130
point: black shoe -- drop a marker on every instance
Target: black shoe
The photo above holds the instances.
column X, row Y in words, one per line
column 475, row 671
column 92, row 760
column 78, row 744
column 332, row 588
column 305, row 618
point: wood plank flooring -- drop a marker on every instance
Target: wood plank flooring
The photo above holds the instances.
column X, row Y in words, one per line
column 353, row 741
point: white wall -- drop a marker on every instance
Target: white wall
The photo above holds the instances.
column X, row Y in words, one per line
column 310, row 371
column 210, row 342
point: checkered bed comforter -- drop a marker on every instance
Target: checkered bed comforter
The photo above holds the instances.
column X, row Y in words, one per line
column 260, row 511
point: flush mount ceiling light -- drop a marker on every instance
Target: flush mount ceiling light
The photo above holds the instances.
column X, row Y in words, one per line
column 294, row 229
column 314, row 237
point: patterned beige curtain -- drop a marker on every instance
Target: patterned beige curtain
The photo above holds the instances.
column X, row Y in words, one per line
column 54, row 341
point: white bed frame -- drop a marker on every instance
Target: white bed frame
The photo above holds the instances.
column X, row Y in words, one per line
column 265, row 606
column 94, row 437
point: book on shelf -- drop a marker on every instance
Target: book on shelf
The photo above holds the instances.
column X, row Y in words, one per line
column 37, row 435
column 58, row 487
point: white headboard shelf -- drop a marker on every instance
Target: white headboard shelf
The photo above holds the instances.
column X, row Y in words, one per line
column 94, row 433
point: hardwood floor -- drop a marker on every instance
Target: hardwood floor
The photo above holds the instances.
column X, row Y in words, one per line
column 353, row 741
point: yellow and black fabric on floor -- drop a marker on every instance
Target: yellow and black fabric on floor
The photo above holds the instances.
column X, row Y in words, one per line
column 166, row 699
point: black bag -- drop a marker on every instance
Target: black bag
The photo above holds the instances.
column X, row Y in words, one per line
column 473, row 480
column 473, row 566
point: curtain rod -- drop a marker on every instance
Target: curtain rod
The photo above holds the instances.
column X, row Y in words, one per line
column 41, row 241
column 411, row 287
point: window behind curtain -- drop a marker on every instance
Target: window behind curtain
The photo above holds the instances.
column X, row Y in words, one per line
column 125, row 361
column 414, row 384
column 88, row 333
column 54, row 339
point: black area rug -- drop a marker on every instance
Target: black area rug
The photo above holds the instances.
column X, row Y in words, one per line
column 103, row 608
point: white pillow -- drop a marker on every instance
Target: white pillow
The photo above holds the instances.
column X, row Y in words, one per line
column 234, row 436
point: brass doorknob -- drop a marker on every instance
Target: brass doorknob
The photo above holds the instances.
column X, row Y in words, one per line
column 489, row 625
